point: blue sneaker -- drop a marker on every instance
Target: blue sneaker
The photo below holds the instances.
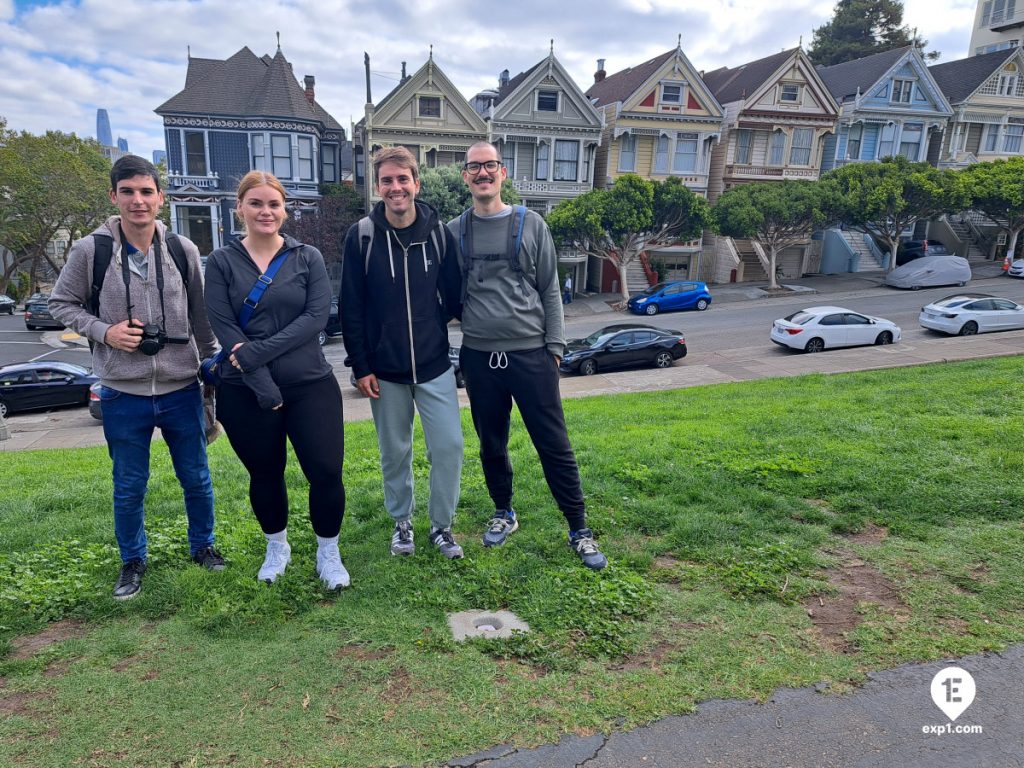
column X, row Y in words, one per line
column 582, row 543
column 502, row 524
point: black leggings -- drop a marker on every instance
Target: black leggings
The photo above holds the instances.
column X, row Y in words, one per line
column 493, row 381
column 311, row 418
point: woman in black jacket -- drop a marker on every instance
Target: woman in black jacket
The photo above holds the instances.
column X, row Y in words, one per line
column 278, row 385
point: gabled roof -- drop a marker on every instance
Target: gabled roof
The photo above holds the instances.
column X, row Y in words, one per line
column 959, row 79
column 246, row 85
column 515, row 89
column 730, row 85
column 844, row 80
column 622, row 85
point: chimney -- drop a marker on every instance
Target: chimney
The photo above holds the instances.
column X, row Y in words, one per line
column 503, row 78
column 310, row 83
column 404, row 76
column 600, row 74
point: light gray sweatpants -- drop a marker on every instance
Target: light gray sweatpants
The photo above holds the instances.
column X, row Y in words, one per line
column 438, row 405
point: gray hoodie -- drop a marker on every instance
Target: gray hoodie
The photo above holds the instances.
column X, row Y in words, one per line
column 173, row 367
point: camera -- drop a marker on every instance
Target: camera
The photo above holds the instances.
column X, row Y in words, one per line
column 155, row 338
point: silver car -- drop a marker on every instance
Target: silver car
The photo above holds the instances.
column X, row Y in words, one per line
column 966, row 314
column 930, row 272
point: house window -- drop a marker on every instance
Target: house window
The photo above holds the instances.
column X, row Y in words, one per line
column 853, row 141
column 661, row 155
column 887, row 141
column 508, row 157
column 195, row 153
column 588, row 156
column 671, row 94
column 777, row 151
column 627, row 152
column 359, row 159
column 800, row 154
column 542, row 161
column 329, row 156
column 992, row 138
column 743, row 146
column 430, row 106
column 1001, row 10
column 237, row 227
column 547, row 101
column 259, row 152
column 1012, row 138
column 1007, row 82
column 685, row 160
column 281, row 155
column 305, row 158
column 790, row 94
column 910, row 141
column 567, row 157
column 901, row 91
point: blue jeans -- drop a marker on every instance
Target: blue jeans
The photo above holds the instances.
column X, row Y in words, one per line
column 128, row 423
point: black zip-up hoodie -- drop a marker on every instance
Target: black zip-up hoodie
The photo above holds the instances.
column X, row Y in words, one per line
column 395, row 307
column 280, row 345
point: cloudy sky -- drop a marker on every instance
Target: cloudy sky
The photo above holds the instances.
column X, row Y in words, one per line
column 62, row 59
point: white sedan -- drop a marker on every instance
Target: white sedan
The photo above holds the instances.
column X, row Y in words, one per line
column 1016, row 268
column 966, row 314
column 817, row 328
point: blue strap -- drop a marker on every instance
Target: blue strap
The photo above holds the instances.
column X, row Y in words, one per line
column 262, row 283
column 521, row 213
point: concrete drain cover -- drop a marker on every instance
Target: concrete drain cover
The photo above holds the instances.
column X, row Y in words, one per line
column 466, row 624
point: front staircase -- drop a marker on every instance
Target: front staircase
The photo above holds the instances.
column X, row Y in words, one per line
column 753, row 270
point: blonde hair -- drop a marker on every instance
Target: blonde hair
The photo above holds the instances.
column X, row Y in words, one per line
column 254, row 179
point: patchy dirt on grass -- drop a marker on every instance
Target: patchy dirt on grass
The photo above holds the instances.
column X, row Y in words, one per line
column 21, row 703
column 28, row 646
column 398, row 687
column 363, row 652
column 870, row 536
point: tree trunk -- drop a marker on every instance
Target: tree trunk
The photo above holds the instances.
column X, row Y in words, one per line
column 1011, row 244
column 623, row 286
column 893, row 245
column 773, row 281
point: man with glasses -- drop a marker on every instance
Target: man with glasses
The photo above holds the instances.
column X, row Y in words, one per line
column 512, row 343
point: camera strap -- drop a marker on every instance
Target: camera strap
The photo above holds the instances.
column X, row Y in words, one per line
column 126, row 274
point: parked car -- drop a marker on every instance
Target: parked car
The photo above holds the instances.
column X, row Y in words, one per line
column 664, row 297
column 930, row 272
column 453, row 358
column 31, row 386
column 965, row 314
column 333, row 328
column 95, row 403
column 36, row 297
column 37, row 315
column 1016, row 268
column 909, row 250
column 627, row 345
column 818, row 328
column 7, row 304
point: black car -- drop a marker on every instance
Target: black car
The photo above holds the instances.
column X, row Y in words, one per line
column 7, row 304
column 37, row 315
column 333, row 329
column 623, row 346
column 36, row 297
column 30, row 386
column 909, row 250
column 453, row 358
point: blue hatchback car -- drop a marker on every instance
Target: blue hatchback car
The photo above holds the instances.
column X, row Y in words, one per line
column 668, row 296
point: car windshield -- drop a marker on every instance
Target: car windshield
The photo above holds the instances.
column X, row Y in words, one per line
column 598, row 337
column 800, row 318
column 654, row 289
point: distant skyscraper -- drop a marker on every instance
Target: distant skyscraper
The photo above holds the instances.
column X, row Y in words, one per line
column 103, row 135
column 159, row 156
column 122, row 144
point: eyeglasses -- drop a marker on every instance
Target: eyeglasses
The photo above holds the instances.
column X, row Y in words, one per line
column 490, row 166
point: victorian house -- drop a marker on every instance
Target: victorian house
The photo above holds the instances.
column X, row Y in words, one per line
column 548, row 134
column 244, row 113
column 778, row 115
column 661, row 120
column 424, row 113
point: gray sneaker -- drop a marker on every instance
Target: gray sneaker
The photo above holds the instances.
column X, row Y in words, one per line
column 445, row 543
column 582, row 543
column 402, row 539
column 502, row 524
column 330, row 569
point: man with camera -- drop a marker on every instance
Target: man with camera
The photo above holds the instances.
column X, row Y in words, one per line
column 145, row 318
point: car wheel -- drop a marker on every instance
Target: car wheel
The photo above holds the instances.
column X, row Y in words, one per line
column 961, row 284
column 3, row 410
column 815, row 345
column 588, row 367
column 663, row 360
column 322, row 337
column 969, row 329
column 30, row 327
column 885, row 337
column 702, row 305
column 915, row 287
column 651, row 309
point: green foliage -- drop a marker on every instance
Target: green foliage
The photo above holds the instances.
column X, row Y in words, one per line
column 997, row 190
column 860, row 28
column 778, row 213
column 443, row 188
column 339, row 208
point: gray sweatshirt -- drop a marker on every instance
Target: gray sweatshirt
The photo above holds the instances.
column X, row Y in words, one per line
column 505, row 310
column 173, row 367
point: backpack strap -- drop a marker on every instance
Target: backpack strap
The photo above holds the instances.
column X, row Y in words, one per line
column 177, row 251
column 467, row 253
column 517, row 224
column 103, row 252
column 366, row 241
column 440, row 241
column 263, row 282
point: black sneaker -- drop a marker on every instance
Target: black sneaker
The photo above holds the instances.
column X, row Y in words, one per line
column 502, row 524
column 583, row 544
column 210, row 559
column 129, row 583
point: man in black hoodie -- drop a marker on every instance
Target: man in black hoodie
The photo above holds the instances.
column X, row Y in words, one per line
column 400, row 282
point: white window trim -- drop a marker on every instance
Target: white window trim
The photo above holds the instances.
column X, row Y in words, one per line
column 292, row 155
column 632, row 168
column 790, row 102
column 558, row 101
column 237, row 228
column 440, row 107
column 206, row 150
column 911, row 81
column 680, row 84
column 314, row 176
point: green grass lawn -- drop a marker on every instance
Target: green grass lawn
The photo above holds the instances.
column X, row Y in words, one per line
column 731, row 515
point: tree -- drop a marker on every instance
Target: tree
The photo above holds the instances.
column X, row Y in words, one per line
column 340, row 207
column 883, row 199
column 996, row 189
column 443, row 188
column 49, row 185
column 633, row 215
column 776, row 214
column 860, row 28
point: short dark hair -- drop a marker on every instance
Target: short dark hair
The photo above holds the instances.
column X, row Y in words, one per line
column 131, row 166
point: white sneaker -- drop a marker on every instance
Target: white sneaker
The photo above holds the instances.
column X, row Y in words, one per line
column 330, row 568
column 279, row 553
